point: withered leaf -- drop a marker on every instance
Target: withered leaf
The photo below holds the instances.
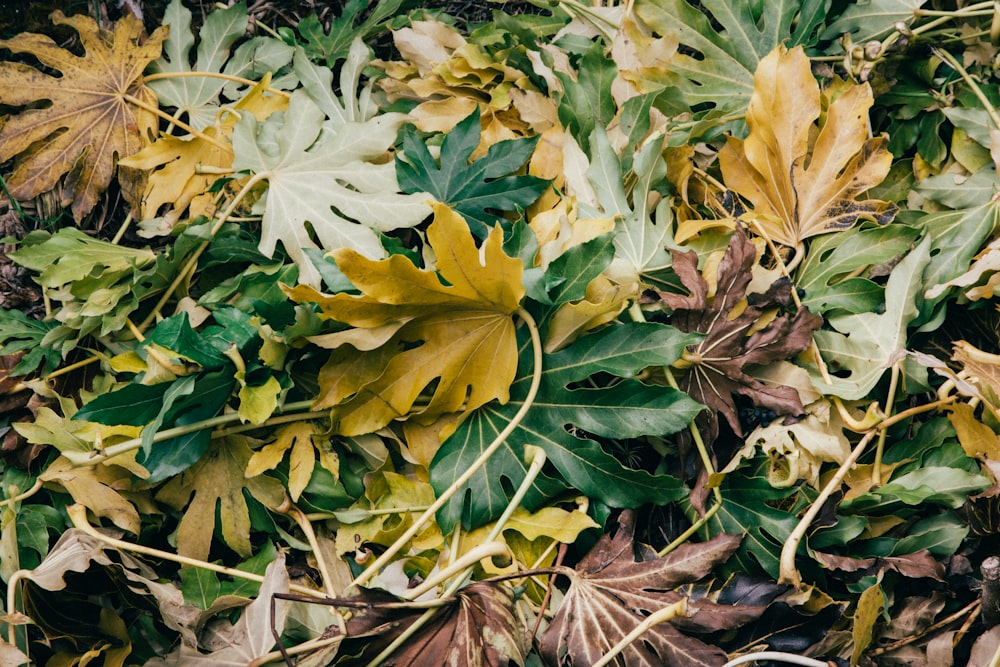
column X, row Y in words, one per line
column 90, row 121
column 719, row 361
column 802, row 182
column 476, row 628
column 610, row 594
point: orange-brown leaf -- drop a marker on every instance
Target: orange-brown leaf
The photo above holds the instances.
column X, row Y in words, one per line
column 87, row 123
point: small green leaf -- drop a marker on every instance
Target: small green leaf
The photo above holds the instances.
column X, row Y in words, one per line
column 586, row 102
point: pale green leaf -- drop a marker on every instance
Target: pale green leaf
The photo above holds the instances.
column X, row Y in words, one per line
column 872, row 19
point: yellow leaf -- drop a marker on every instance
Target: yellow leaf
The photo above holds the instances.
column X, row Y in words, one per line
column 175, row 161
column 97, row 487
column 800, row 181
column 258, row 402
column 457, row 329
column 603, row 302
column 217, row 481
column 89, row 122
column 301, row 438
column 870, row 606
column 390, row 491
column 977, row 439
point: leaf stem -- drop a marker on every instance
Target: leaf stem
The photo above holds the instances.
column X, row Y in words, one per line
column 780, row 656
column 883, row 432
column 976, row 90
column 788, row 574
column 35, row 488
column 536, row 379
column 179, row 123
column 659, row 616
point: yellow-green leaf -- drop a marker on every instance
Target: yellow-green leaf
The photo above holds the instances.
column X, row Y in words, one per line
column 457, row 329
column 302, row 439
column 870, row 606
column 258, row 402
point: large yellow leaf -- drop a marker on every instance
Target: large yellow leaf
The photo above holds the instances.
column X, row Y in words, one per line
column 178, row 161
column 800, row 181
column 89, row 121
column 453, row 330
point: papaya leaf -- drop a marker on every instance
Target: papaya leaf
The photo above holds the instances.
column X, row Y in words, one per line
column 610, row 594
column 802, row 183
column 626, row 409
column 457, row 334
column 89, row 122
column 327, row 174
column 479, row 189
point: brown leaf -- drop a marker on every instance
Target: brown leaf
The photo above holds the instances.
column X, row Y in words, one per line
column 731, row 344
column 476, row 628
column 803, row 182
column 610, row 594
column 88, row 123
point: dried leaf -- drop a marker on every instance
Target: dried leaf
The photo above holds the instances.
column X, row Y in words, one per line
column 90, row 121
column 803, row 183
column 731, row 344
column 455, row 329
column 610, row 594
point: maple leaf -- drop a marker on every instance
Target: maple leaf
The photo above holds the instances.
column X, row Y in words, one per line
column 327, row 174
column 89, row 121
column 217, row 479
column 718, row 361
column 610, row 594
column 802, row 182
column 475, row 628
column 453, row 327
column 477, row 188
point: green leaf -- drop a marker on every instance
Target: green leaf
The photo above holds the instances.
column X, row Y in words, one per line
column 936, row 485
column 569, row 274
column 176, row 334
column 959, row 191
column 721, row 43
column 627, row 409
column 746, row 511
column 70, row 255
column 326, row 174
column 19, row 333
column 941, row 534
column 332, row 45
column 862, row 346
column 871, row 19
column 586, row 102
column 133, row 404
column 956, row 237
column 200, row 587
column 474, row 189
column 834, row 256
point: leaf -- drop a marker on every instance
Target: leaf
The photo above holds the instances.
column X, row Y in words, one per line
column 217, row 481
column 455, row 330
column 177, row 164
column 199, row 97
column 475, row 628
column 715, row 66
column 475, row 189
column 730, row 344
column 626, row 409
column 332, row 45
column 802, row 183
column 610, row 594
column 20, row 333
column 368, row 522
column 872, row 19
column 98, row 488
column 959, row 243
column 327, row 174
column 248, row 639
column 870, row 606
column 301, row 438
column 860, row 347
column 88, row 122
column 586, row 102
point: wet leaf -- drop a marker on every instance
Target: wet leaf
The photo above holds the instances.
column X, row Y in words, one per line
column 89, row 122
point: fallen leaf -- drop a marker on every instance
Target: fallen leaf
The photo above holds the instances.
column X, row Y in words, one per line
column 733, row 337
column 802, row 183
column 610, row 594
column 217, row 481
column 89, row 122
column 455, row 329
